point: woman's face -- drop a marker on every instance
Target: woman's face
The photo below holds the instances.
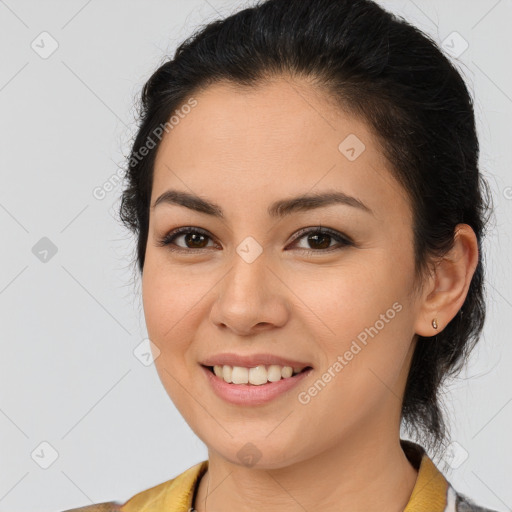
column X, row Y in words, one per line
column 253, row 283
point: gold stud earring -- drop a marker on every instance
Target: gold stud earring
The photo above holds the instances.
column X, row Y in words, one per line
column 434, row 323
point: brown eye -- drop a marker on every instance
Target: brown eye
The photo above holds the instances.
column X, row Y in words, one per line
column 319, row 239
column 193, row 238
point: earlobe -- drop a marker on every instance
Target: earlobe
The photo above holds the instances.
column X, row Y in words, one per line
column 429, row 326
column 452, row 277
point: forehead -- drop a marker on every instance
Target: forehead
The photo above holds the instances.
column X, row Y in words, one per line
column 242, row 145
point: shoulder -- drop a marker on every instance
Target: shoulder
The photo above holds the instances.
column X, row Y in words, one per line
column 135, row 502
column 465, row 504
column 108, row 506
column 165, row 496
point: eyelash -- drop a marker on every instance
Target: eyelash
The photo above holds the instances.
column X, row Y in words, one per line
column 168, row 240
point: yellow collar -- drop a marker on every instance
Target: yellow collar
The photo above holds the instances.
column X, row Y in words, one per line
column 176, row 495
column 430, row 492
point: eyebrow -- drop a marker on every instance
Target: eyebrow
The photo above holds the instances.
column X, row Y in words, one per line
column 278, row 209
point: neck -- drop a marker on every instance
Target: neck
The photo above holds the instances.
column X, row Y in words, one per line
column 358, row 475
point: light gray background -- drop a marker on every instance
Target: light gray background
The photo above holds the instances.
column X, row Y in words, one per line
column 69, row 325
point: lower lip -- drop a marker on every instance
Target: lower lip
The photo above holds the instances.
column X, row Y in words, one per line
column 249, row 394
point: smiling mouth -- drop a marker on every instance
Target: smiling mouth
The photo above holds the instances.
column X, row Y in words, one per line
column 255, row 376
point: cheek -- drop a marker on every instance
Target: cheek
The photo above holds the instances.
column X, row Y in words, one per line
column 343, row 299
column 361, row 315
column 361, row 379
column 169, row 311
column 169, row 295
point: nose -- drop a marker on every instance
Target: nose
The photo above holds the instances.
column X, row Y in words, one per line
column 251, row 298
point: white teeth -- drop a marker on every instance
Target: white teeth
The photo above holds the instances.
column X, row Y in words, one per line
column 226, row 373
column 240, row 375
column 257, row 375
column 286, row 372
column 274, row 373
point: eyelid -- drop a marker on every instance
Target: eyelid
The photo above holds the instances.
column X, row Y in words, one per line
column 175, row 233
column 324, row 230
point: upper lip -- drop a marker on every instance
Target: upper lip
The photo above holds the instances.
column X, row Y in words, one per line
column 250, row 361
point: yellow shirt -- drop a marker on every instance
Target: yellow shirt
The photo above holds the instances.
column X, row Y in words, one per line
column 431, row 492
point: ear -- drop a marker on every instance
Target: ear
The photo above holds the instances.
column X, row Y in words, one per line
column 448, row 286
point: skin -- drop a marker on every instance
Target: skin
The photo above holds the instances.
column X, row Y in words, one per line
column 243, row 149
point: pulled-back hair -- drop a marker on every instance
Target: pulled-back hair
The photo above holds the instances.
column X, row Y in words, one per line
column 378, row 67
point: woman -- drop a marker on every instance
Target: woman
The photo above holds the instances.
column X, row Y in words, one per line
column 305, row 191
